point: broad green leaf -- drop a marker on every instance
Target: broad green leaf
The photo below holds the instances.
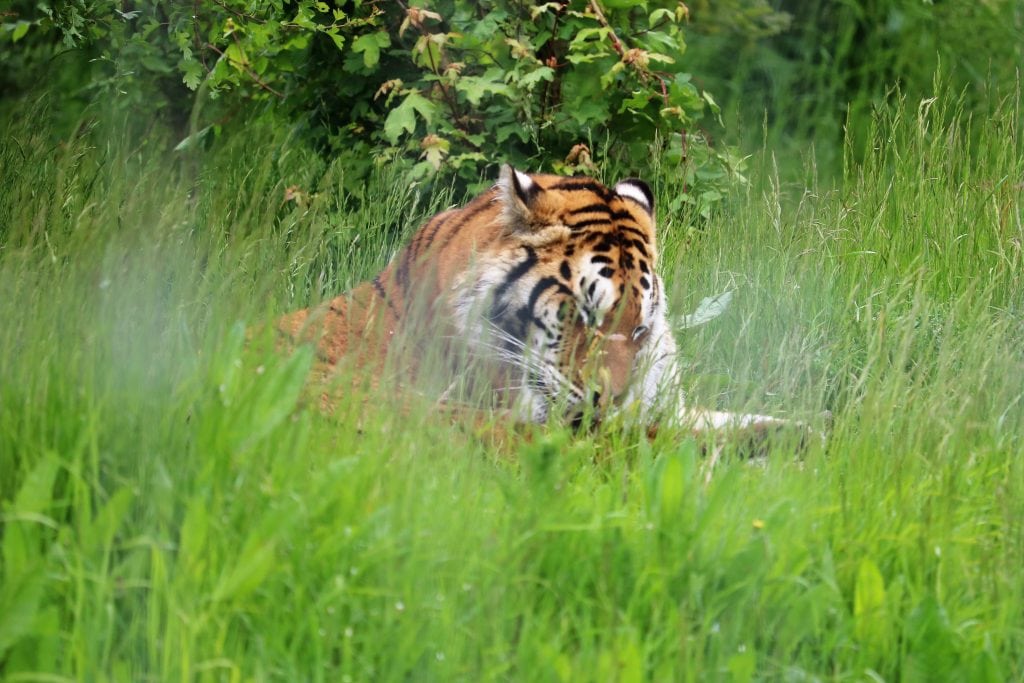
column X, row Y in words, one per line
column 660, row 15
column 271, row 399
column 98, row 534
column 19, row 604
column 402, row 118
column 251, row 567
column 474, row 87
column 370, row 45
column 20, row 534
column 871, row 622
column 192, row 73
column 583, row 35
column 543, row 73
column 20, row 29
column 236, row 56
column 504, row 132
column 339, row 40
column 589, row 112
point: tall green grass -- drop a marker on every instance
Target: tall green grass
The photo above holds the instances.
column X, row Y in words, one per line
column 176, row 507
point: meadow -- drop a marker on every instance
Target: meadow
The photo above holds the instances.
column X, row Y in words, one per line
column 176, row 507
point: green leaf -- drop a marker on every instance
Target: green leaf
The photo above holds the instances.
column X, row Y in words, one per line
column 504, row 132
column 21, row 537
column 659, row 15
column 402, row 118
column 871, row 623
column 20, row 29
column 98, row 533
column 271, row 399
column 598, row 34
column 370, row 46
column 474, row 88
column 339, row 40
column 589, row 112
column 192, row 73
column 19, row 604
column 253, row 565
column 544, row 73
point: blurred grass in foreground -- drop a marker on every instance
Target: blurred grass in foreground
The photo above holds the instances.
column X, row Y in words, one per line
column 175, row 507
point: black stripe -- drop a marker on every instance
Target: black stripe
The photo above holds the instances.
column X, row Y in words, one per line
column 544, row 284
column 521, row 269
column 580, row 184
column 639, row 233
column 384, row 295
column 592, row 208
column 624, row 216
column 579, row 225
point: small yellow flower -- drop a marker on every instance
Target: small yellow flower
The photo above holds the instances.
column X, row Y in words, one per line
column 758, row 523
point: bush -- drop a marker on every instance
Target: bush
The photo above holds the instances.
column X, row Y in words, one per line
column 451, row 86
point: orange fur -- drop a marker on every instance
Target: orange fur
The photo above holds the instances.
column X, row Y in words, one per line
column 550, row 281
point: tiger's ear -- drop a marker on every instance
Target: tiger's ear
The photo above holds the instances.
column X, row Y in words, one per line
column 638, row 191
column 518, row 194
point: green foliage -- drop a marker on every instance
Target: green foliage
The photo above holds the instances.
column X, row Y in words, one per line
column 447, row 86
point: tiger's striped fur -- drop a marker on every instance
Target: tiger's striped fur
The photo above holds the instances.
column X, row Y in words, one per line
column 551, row 280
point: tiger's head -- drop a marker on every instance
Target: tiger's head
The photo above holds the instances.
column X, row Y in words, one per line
column 567, row 297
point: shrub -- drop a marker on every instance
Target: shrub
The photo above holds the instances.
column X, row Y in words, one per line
column 449, row 85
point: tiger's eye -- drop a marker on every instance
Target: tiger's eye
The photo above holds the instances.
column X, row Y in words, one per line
column 639, row 332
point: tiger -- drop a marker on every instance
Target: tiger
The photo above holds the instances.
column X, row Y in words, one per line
column 552, row 284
